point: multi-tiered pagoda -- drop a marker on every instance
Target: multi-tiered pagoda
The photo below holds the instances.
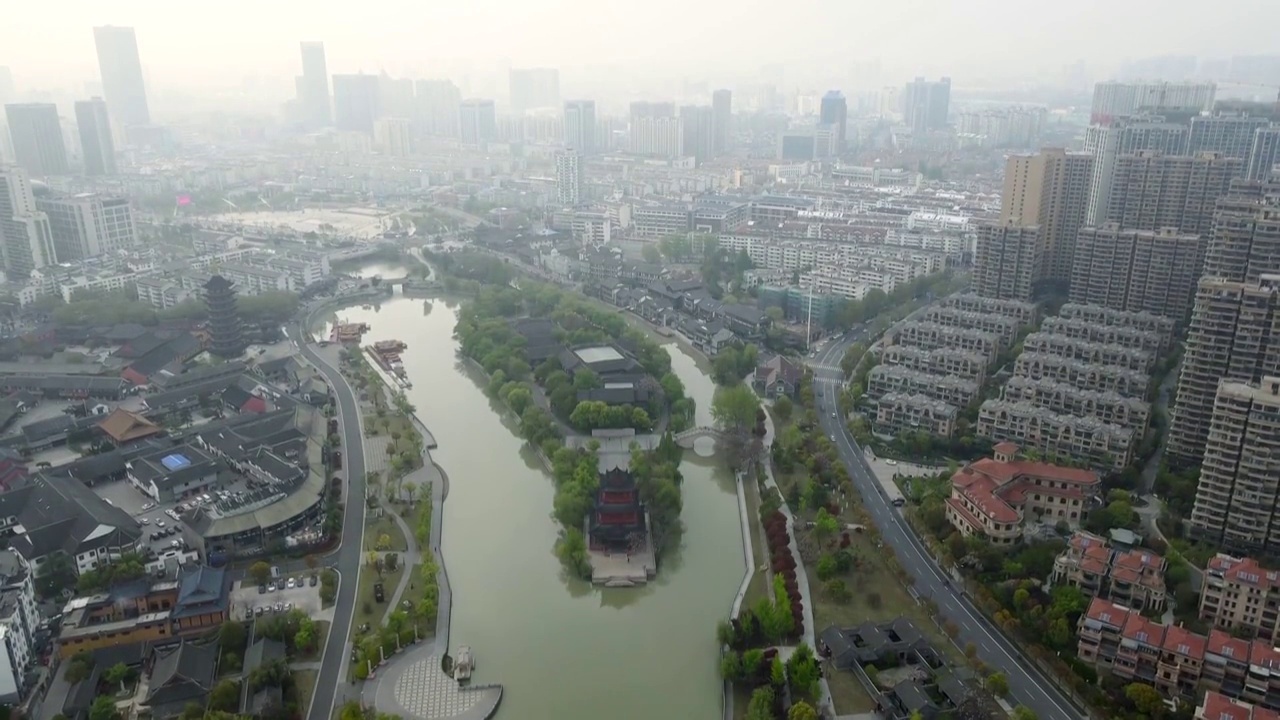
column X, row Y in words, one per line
column 617, row 522
column 225, row 334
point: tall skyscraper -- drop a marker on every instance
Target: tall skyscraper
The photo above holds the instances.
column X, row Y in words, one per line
column 722, row 108
column 1152, row 191
column 1050, row 190
column 654, row 129
column 395, row 97
column 87, row 225
column 122, row 75
column 1245, row 244
column 37, row 138
column 1123, row 137
column 697, row 127
column 313, row 86
column 96, row 145
column 435, row 104
column 355, row 102
column 1238, row 493
column 7, row 91
column 1114, row 100
column 925, row 104
column 1229, row 134
column 26, row 243
column 533, row 88
column 392, row 136
column 478, row 120
column 834, row 111
column 1232, row 336
column 1008, row 261
column 1137, row 270
column 580, row 126
column 1264, row 154
column 569, row 177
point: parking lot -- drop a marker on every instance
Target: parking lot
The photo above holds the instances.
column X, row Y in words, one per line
column 246, row 599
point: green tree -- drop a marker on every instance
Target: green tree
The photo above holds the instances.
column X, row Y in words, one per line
column 1145, row 698
column 782, row 408
column 802, row 670
column 1022, row 712
column 80, row 667
column 761, row 704
column 103, row 708
column 802, row 711
column 998, row 684
column 825, row 526
column 651, row 254
column 116, row 675
column 225, row 696
column 734, row 408
column 260, row 572
column 731, row 666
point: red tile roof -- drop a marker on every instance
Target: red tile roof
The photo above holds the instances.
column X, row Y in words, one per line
column 1181, row 641
column 1217, row 706
column 1139, row 566
column 1244, row 571
column 1143, row 630
column 1108, row 613
column 999, row 489
column 1221, row 643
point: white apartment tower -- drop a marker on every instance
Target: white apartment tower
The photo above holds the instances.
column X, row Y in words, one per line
column 87, row 225
column 26, row 243
column 392, row 136
column 569, row 178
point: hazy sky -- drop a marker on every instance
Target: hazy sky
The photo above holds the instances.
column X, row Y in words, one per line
column 51, row 42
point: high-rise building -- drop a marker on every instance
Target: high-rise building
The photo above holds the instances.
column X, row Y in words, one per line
column 37, row 138
column 26, row 243
column 225, row 331
column 435, row 104
column 1152, row 191
column 834, row 111
column 1114, row 100
column 1239, row 488
column 925, row 104
column 7, row 92
column 1229, row 134
column 580, row 126
column 1264, row 153
column 1234, row 335
column 722, row 108
column 86, row 225
column 1245, row 244
column 391, row 135
column 697, row 127
column 533, row 88
column 1137, row 270
column 355, row 102
column 395, row 97
column 1008, row 260
column 96, row 145
column 1123, row 137
column 1008, row 127
column 655, row 129
column 1049, row 189
column 478, row 119
column 19, row 623
column 122, row 75
column 569, row 177
column 313, row 86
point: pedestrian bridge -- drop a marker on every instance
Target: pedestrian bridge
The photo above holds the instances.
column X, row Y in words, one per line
column 687, row 438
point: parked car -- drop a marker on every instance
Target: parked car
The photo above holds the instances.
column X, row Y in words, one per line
column 314, row 580
column 291, row 584
column 378, row 593
column 279, row 607
column 262, row 589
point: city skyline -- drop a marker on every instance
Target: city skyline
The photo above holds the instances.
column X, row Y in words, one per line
column 969, row 43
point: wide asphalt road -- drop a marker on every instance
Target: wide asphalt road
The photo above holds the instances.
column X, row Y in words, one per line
column 347, row 557
column 1027, row 686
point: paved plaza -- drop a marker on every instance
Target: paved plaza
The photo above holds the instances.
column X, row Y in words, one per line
column 413, row 685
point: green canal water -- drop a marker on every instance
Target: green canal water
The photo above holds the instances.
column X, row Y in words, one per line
column 560, row 647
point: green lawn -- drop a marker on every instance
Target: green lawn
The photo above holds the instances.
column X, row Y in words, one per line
column 375, row 527
column 877, row 594
column 305, row 682
column 367, row 609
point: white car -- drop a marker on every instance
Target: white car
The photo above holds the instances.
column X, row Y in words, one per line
column 148, row 506
column 160, row 524
column 291, row 583
column 145, row 521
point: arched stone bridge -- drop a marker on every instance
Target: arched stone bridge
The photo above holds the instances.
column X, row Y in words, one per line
column 687, row 438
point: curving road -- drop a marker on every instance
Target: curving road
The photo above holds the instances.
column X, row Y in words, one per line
column 1028, row 686
column 346, row 559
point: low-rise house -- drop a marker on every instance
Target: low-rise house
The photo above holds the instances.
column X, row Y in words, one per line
column 906, row 412
column 124, row 427
column 1216, row 706
column 47, row 516
column 181, row 675
column 1133, row 578
column 1238, row 594
column 777, row 377
column 1085, row 439
column 993, row 497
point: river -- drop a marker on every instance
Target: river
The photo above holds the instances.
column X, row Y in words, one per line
column 560, row 647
